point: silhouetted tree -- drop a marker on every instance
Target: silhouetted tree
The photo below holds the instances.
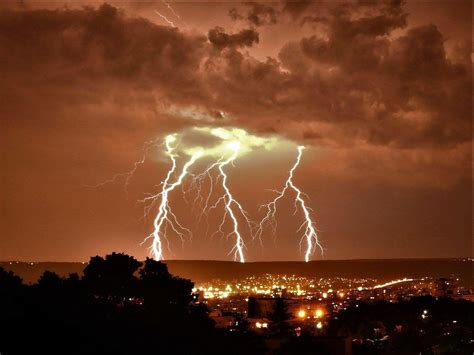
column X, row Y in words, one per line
column 304, row 344
column 9, row 281
column 112, row 277
column 49, row 280
column 12, row 296
column 163, row 293
column 279, row 316
column 72, row 282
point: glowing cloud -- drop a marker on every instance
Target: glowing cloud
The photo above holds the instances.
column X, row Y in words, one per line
column 223, row 139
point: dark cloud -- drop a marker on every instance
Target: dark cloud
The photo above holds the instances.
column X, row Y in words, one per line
column 257, row 14
column 296, row 8
column 383, row 103
column 356, row 43
column 71, row 48
column 354, row 77
column 314, row 20
column 401, row 91
column 220, row 39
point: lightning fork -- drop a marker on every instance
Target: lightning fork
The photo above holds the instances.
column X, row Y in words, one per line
column 230, row 202
column 165, row 215
column 128, row 174
column 310, row 235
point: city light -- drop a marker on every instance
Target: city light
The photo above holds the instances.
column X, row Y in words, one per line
column 301, row 287
column 424, row 315
column 391, row 283
column 319, row 325
column 302, row 313
column 319, row 313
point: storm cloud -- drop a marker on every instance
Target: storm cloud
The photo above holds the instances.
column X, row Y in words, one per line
column 383, row 102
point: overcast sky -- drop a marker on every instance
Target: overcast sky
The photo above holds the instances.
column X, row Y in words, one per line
column 379, row 93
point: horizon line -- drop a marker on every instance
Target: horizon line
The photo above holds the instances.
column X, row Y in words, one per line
column 469, row 258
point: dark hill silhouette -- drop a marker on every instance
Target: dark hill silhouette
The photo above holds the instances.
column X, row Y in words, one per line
column 202, row 271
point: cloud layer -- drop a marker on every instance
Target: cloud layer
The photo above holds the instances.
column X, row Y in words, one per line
column 381, row 100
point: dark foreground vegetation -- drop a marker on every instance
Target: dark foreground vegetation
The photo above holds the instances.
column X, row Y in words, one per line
column 123, row 306
column 119, row 306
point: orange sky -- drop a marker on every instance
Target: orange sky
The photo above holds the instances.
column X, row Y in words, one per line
column 379, row 93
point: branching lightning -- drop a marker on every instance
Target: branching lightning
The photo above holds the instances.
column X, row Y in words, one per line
column 165, row 217
column 128, row 174
column 197, row 186
column 174, row 13
column 310, row 235
column 221, row 147
column 171, row 9
column 227, row 199
column 229, row 202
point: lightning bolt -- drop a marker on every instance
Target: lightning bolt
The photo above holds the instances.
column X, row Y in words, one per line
column 229, row 201
column 171, row 9
column 128, row 174
column 233, row 142
column 310, row 235
column 197, row 186
column 165, row 217
column 171, row 23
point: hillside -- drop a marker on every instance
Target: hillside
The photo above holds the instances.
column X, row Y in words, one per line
column 202, row 271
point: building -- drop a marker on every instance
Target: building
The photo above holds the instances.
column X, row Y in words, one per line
column 445, row 288
column 260, row 307
column 222, row 321
column 298, row 308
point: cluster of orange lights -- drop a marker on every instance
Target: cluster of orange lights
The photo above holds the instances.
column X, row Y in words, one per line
column 317, row 314
column 261, row 325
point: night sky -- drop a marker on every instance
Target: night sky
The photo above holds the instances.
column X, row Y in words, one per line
column 379, row 93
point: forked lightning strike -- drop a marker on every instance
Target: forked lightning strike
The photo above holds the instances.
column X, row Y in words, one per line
column 129, row 174
column 232, row 142
column 165, row 217
column 310, row 235
column 229, row 201
column 196, row 185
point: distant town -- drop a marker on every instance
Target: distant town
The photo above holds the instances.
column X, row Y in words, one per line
column 312, row 301
column 344, row 315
